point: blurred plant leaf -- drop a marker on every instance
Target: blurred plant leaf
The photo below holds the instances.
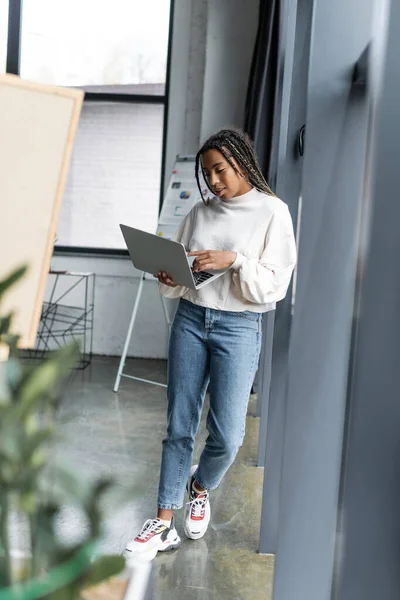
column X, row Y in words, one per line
column 102, row 569
column 12, row 342
column 61, row 485
column 5, row 324
column 65, row 593
column 15, row 373
column 11, row 279
column 42, row 382
column 42, row 490
column 93, row 503
column 34, row 441
column 28, row 502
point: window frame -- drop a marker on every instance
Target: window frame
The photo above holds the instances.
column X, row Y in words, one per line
column 13, row 63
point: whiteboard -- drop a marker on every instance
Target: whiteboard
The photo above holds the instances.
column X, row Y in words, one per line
column 181, row 195
column 38, row 125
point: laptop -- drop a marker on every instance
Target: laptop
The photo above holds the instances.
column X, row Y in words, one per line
column 152, row 253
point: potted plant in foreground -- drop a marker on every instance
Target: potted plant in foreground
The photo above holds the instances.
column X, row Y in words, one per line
column 34, row 489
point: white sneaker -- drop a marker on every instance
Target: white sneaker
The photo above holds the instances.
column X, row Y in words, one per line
column 155, row 536
column 197, row 510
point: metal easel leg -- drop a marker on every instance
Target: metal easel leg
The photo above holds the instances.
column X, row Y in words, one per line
column 129, row 334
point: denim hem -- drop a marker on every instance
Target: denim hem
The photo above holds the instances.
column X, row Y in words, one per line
column 170, row 506
column 208, row 488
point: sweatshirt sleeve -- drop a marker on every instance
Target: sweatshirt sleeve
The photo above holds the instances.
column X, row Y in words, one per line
column 183, row 235
column 267, row 279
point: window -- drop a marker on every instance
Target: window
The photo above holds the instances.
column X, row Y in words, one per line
column 3, row 34
column 114, row 176
column 118, row 53
column 122, row 43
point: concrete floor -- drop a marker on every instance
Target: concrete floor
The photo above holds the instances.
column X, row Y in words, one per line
column 120, row 435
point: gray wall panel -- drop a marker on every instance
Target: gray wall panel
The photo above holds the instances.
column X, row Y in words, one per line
column 369, row 553
column 337, row 118
column 289, row 177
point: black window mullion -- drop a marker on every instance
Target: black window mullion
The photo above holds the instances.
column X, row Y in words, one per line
column 131, row 98
column 166, row 104
column 14, row 37
column 92, row 252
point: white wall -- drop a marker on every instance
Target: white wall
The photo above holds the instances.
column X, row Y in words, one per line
column 186, row 80
column 212, row 47
column 116, row 286
column 231, row 33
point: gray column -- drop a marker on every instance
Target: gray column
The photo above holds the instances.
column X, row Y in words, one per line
column 333, row 172
column 289, row 173
column 263, row 383
column 368, row 552
column 278, row 153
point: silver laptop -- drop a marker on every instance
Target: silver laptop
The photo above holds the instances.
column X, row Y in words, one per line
column 152, row 253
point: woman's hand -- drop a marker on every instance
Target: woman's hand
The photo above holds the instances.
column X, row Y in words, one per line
column 165, row 279
column 212, row 259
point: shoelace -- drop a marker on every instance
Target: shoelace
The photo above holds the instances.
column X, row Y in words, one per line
column 197, row 504
column 148, row 528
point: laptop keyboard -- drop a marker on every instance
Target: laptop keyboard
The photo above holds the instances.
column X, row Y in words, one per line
column 201, row 276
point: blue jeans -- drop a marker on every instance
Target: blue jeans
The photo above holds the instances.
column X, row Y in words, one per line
column 213, row 347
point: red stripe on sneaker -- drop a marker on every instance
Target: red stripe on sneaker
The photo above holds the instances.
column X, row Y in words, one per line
column 148, row 536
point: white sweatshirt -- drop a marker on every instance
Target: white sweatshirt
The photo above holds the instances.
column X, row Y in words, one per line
column 259, row 229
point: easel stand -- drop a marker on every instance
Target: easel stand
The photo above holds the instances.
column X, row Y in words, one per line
column 129, row 336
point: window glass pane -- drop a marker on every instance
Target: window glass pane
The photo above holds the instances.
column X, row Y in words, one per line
column 3, row 34
column 114, row 175
column 96, row 43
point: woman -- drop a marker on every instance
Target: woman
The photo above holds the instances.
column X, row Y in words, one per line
column 216, row 334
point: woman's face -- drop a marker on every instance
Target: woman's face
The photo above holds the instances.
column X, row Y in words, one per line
column 223, row 180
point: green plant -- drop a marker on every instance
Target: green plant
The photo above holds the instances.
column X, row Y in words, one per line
column 35, row 487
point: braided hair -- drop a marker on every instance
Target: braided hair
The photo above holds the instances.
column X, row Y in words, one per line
column 234, row 144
